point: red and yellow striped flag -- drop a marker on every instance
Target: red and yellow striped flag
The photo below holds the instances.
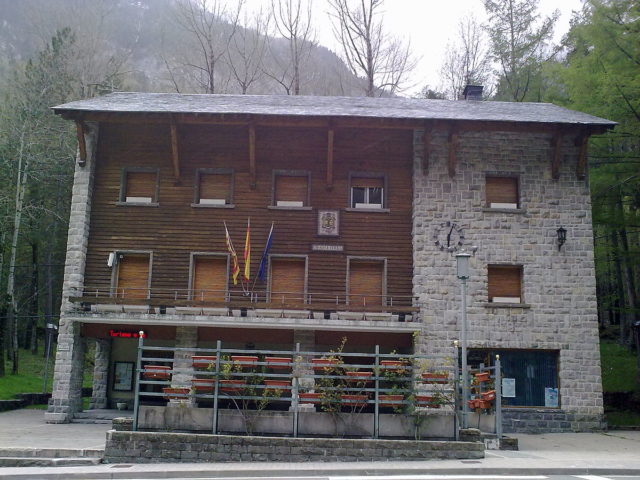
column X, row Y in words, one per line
column 235, row 268
column 247, row 252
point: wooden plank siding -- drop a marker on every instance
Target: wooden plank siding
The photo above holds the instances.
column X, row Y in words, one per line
column 174, row 229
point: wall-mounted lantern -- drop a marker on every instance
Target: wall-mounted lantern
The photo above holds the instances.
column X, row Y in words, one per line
column 562, row 237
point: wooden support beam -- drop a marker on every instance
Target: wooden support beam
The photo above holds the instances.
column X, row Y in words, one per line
column 330, row 135
column 582, row 141
column 252, row 155
column 82, row 144
column 453, row 144
column 556, row 145
column 175, row 157
column 426, row 143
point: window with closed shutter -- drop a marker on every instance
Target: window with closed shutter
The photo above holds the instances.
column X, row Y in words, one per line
column 209, row 283
column 366, row 282
column 291, row 191
column 140, row 187
column 287, row 279
column 505, row 283
column 502, row 192
column 214, row 189
column 133, row 276
column 367, row 192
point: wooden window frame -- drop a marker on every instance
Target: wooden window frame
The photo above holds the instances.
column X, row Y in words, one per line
column 360, row 258
column 213, row 171
column 290, row 173
column 192, row 258
column 506, row 209
column 515, row 267
column 291, row 256
column 116, row 268
column 385, row 192
column 122, row 199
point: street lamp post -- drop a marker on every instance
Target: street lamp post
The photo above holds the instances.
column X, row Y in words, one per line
column 462, row 264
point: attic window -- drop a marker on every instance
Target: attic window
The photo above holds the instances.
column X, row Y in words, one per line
column 291, row 189
column 139, row 186
column 214, row 187
column 367, row 192
column 502, row 192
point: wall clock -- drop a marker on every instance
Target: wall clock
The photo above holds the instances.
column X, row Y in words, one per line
column 448, row 236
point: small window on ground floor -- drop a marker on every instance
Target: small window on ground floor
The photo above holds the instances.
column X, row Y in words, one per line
column 131, row 279
column 505, row 283
column 530, row 377
column 288, row 279
column 366, row 282
column 209, row 277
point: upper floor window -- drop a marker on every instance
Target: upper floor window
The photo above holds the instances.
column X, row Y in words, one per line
column 505, row 283
column 131, row 277
column 288, row 279
column 209, row 277
column 291, row 188
column 366, row 281
column 214, row 187
column 502, row 192
column 139, row 185
column 367, row 192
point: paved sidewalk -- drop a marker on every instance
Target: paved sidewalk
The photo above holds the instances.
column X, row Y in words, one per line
column 616, row 452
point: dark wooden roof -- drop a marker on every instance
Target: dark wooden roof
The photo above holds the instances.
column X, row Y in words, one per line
column 344, row 107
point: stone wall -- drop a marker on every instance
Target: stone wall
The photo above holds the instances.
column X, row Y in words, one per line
column 559, row 311
column 144, row 447
column 533, row 420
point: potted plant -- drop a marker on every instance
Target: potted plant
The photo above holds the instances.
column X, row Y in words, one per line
column 176, row 393
column 203, row 361
column 309, row 397
column 434, row 377
column 203, row 385
column 278, row 363
column 482, row 377
column 156, row 372
column 245, row 361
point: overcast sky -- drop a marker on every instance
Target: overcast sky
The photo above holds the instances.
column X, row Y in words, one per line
column 428, row 24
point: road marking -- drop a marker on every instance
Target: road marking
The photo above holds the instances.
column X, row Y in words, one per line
column 591, row 477
column 442, row 477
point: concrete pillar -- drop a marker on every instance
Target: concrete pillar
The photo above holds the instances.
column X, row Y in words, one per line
column 186, row 337
column 101, row 374
column 66, row 398
column 307, row 341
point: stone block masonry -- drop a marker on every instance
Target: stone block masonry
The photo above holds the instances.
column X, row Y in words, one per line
column 559, row 311
column 145, row 447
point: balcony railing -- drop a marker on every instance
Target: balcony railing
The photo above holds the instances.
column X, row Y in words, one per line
column 237, row 303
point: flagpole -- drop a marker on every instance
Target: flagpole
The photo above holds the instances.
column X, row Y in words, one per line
column 264, row 252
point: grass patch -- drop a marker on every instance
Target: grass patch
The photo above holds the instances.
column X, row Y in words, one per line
column 623, row 419
column 618, row 368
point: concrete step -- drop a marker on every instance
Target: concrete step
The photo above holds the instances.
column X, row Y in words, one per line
column 51, row 452
column 92, row 421
column 48, row 462
column 102, row 414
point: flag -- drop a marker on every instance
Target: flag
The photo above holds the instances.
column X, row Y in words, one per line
column 262, row 270
column 235, row 268
column 247, row 252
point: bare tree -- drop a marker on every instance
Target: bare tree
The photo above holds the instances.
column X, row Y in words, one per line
column 371, row 53
column 246, row 53
column 466, row 59
column 210, row 26
column 292, row 22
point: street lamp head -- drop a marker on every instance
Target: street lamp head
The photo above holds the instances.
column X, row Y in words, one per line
column 462, row 263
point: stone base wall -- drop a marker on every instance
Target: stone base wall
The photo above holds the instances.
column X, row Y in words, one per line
column 145, row 447
column 533, row 420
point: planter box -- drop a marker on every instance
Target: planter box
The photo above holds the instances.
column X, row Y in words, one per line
column 434, row 377
column 323, row 363
column 203, row 361
column 156, row 372
column 276, row 386
column 231, row 386
column 390, row 400
column 203, row 385
column 278, row 363
column 427, row 401
column 482, row 377
column 171, row 393
column 488, row 396
column 354, row 400
column 310, row 397
column 245, row 360
column 359, row 377
column 397, row 366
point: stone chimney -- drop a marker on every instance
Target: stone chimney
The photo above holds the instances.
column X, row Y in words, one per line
column 472, row 92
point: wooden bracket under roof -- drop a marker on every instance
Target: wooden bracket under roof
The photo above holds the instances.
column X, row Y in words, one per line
column 582, row 141
column 82, row 144
column 426, row 145
column 252, row 155
column 175, row 157
column 556, row 154
column 330, row 137
column 453, row 145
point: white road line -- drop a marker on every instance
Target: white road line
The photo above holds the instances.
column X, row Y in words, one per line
column 591, row 477
column 443, row 477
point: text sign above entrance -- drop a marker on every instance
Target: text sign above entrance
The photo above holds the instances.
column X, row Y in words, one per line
column 321, row 247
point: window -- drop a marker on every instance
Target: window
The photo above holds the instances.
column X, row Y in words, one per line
column 139, row 186
column 291, row 189
column 288, row 279
column 209, row 274
column 214, row 187
column 502, row 192
column 505, row 283
column 366, row 282
column 367, row 192
column 132, row 275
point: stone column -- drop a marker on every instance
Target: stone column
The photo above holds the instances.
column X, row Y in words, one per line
column 307, row 341
column 101, row 374
column 186, row 337
column 66, row 398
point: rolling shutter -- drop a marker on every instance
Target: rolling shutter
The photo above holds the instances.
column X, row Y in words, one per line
column 133, row 276
column 287, row 279
column 291, row 189
column 209, row 278
column 366, row 281
column 141, row 186
column 502, row 192
column 505, row 283
column 215, row 186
